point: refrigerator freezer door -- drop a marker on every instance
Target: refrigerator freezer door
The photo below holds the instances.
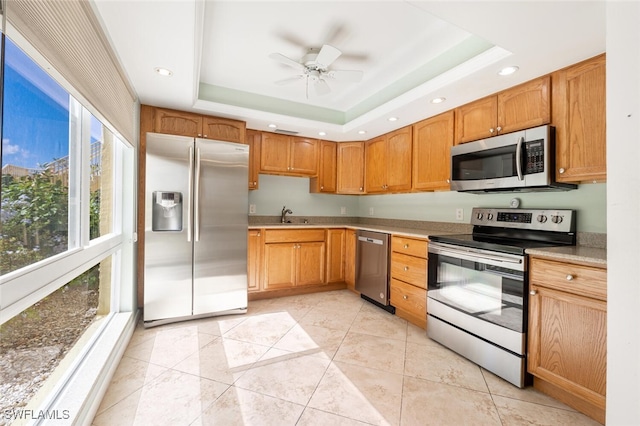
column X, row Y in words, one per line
column 220, row 227
column 168, row 254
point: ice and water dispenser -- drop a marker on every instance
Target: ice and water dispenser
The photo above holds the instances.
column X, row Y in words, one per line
column 166, row 214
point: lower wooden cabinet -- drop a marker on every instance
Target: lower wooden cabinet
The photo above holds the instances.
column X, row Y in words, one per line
column 335, row 255
column 568, row 334
column 350, row 259
column 408, row 286
column 254, row 260
column 293, row 258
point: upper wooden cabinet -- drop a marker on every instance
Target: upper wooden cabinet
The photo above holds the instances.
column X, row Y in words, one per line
column 517, row 108
column 253, row 139
column 388, row 162
column 350, row 168
column 326, row 179
column 288, row 155
column 198, row 126
column 579, row 114
column 432, row 142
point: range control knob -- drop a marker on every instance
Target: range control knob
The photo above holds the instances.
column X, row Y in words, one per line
column 490, row 216
column 556, row 219
column 542, row 218
column 479, row 216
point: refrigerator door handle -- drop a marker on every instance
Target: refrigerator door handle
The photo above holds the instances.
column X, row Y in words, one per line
column 189, row 217
column 196, row 199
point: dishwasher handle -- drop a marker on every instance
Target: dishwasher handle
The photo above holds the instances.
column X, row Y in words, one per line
column 371, row 240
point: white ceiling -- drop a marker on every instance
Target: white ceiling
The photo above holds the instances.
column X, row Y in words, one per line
column 410, row 52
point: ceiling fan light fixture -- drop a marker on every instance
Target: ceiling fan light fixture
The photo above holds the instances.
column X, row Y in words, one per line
column 508, row 70
column 273, row 126
column 393, row 119
column 322, row 133
column 165, row 72
column 362, row 132
column 438, row 100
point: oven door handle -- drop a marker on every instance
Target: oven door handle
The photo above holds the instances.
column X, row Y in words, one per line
column 473, row 255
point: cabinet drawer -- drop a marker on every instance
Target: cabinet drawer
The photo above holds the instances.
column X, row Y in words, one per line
column 293, row 236
column 410, row 269
column 409, row 298
column 577, row 279
column 409, row 246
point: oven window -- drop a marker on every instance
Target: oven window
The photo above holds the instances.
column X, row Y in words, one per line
column 484, row 291
column 487, row 164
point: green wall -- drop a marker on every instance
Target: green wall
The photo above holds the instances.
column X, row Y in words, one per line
column 276, row 191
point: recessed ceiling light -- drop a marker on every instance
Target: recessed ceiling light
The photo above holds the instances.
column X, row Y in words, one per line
column 393, row 118
column 438, row 100
column 508, row 70
column 322, row 133
column 163, row 71
column 273, row 126
column 362, row 132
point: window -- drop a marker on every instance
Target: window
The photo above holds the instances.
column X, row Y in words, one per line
column 35, row 164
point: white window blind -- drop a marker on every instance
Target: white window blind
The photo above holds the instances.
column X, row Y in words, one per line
column 69, row 36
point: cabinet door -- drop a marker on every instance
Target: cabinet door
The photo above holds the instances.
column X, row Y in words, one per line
column 224, row 129
column 399, row 151
column 304, row 156
column 335, row 255
column 326, row 180
column 476, row 120
column 579, row 109
column 310, row 263
column 274, row 153
column 279, row 265
column 253, row 138
column 254, row 260
column 350, row 258
column 177, row 123
column 524, row 106
column 350, row 168
column 375, row 165
column 567, row 342
column 432, row 142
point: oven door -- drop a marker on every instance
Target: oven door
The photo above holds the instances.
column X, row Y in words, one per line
column 485, row 285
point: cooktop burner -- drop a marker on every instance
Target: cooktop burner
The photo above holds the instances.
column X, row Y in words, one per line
column 515, row 230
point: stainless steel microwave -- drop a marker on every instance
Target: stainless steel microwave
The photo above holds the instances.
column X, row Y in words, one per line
column 519, row 161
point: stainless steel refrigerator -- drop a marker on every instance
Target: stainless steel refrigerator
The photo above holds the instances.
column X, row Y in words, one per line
column 196, row 203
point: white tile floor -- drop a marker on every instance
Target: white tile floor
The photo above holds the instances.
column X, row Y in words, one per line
column 320, row 359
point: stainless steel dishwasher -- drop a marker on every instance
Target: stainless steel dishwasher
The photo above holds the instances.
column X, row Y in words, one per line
column 372, row 268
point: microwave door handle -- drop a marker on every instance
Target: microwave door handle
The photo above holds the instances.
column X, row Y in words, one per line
column 519, row 158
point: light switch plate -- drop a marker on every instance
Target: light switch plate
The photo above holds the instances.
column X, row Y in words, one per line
column 343, row 210
column 459, row 214
column 252, row 208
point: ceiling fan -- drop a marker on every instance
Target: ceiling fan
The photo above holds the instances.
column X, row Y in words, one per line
column 314, row 68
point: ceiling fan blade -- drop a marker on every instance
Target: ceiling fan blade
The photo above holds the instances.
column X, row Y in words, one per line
column 327, row 55
column 348, row 76
column 321, row 87
column 283, row 59
column 288, row 80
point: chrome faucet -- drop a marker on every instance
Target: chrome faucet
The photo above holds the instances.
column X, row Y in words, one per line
column 285, row 210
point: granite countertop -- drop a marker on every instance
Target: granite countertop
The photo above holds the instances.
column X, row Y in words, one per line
column 409, row 232
column 593, row 256
column 584, row 254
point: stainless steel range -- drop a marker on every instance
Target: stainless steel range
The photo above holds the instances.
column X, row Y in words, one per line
column 478, row 285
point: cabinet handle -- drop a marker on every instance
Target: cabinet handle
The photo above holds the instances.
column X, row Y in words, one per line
column 406, row 246
column 405, row 297
column 321, row 187
column 499, row 128
column 199, row 135
column 569, row 277
column 206, row 136
column 406, row 268
column 533, row 292
column 491, row 130
column 361, row 189
column 448, row 180
column 258, row 234
column 561, row 170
